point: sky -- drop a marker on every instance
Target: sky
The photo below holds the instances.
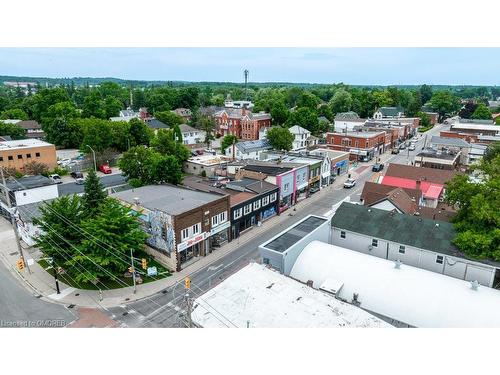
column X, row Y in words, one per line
column 355, row 66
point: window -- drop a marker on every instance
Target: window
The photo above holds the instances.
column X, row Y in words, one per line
column 196, row 229
column 223, row 217
column 19, row 156
column 439, row 259
column 273, row 197
column 37, row 154
column 286, row 187
column 374, row 242
column 256, row 205
column 265, row 200
column 28, row 156
column 184, row 234
column 1, row 158
column 248, row 208
column 237, row 213
column 215, row 220
column 265, row 260
column 402, row 249
column 11, row 157
column 342, row 234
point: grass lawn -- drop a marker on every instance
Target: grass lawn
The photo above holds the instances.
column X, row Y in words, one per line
column 423, row 129
column 120, row 280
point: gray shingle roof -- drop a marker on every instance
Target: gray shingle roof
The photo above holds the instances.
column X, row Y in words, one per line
column 156, row 124
column 347, row 116
column 390, row 111
column 408, row 230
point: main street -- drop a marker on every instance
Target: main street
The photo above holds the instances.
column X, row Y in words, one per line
column 166, row 308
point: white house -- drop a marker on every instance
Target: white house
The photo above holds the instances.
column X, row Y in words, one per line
column 346, row 121
column 404, row 295
column 29, row 189
column 301, row 136
column 248, row 150
column 413, row 240
column 191, row 136
column 388, row 112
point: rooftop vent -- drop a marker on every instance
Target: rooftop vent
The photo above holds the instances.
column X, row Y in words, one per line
column 397, row 264
column 474, row 285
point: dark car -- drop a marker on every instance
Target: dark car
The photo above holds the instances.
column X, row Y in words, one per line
column 395, row 150
column 314, row 190
column 76, row 175
column 377, row 167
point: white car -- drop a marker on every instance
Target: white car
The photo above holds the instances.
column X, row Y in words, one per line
column 350, row 182
column 412, row 147
column 55, row 178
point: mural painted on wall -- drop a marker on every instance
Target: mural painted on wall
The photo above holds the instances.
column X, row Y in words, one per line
column 162, row 234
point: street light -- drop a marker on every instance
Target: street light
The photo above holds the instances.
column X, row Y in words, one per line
column 93, row 153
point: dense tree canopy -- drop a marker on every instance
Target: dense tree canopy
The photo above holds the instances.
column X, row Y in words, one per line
column 280, row 138
column 12, row 130
column 481, row 113
column 444, row 103
column 227, row 141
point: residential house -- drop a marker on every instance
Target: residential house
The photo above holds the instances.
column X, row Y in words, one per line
column 155, row 124
column 388, row 113
column 248, row 150
column 362, row 146
column 180, row 221
column 300, row 137
column 185, row 113
column 32, row 127
column 16, row 154
column 412, row 240
column 347, row 121
column 190, row 135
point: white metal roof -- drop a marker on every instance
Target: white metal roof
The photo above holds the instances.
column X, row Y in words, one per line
column 22, row 143
column 410, row 295
column 268, row 299
column 478, row 127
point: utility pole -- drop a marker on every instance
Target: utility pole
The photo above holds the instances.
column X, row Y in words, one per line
column 93, row 154
column 55, row 275
column 133, row 269
column 13, row 221
column 187, row 286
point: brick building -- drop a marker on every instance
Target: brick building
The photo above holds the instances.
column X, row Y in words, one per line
column 362, row 146
column 182, row 223
column 16, row 154
column 241, row 122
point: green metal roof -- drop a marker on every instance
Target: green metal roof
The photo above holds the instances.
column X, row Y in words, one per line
column 405, row 229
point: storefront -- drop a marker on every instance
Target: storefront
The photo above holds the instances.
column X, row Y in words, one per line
column 314, row 183
column 271, row 211
column 219, row 235
column 191, row 249
column 340, row 167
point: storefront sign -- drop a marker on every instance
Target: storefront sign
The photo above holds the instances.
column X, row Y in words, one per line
column 192, row 241
column 220, row 228
column 314, row 179
column 340, row 164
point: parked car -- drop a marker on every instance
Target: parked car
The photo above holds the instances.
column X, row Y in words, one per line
column 104, row 168
column 314, row 190
column 377, row 167
column 55, row 178
column 402, row 146
column 395, row 150
column 63, row 162
column 412, row 147
column 79, row 181
column 76, row 175
column 350, row 182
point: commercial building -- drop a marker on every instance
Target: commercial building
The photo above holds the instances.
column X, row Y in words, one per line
column 413, row 240
column 241, row 122
column 180, row 221
column 210, row 164
column 339, row 160
column 438, row 159
column 29, row 189
column 398, row 293
column 248, row 149
column 362, row 146
column 347, row 121
column 16, row 154
column 258, row 297
column 281, row 251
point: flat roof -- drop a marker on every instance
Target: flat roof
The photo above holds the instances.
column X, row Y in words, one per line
column 209, row 160
column 284, row 241
column 452, row 142
column 171, row 199
column 22, row 143
column 478, row 127
column 263, row 298
column 28, row 182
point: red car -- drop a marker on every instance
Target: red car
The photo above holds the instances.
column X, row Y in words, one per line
column 105, row 169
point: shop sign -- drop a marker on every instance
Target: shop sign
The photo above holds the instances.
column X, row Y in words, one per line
column 314, row 179
column 192, row 241
column 220, row 228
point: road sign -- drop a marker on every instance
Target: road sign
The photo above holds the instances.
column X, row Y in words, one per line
column 152, row 271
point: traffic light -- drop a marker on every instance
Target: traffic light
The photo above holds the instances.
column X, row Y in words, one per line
column 131, row 269
column 144, row 263
column 187, row 283
column 20, row 264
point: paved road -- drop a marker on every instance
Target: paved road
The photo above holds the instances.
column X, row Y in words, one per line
column 166, row 308
column 107, row 181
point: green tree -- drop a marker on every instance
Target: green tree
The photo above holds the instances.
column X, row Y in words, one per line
column 120, row 135
column 93, row 106
column 309, row 100
column 112, row 107
column 94, row 194
column 96, row 133
column 60, row 126
column 425, row 120
column 169, row 118
column 44, row 99
column 164, row 143
column 444, row 103
column 279, row 112
column 341, row 101
column 135, row 164
column 425, row 93
column 139, row 132
column 482, row 113
column 227, row 141
column 382, row 98
column 12, row 130
column 165, row 169
column 35, row 168
column 14, row 113
column 414, row 105
column 280, row 138
column 306, row 118
column 113, row 233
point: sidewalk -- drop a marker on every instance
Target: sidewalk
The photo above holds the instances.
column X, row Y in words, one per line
column 42, row 283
